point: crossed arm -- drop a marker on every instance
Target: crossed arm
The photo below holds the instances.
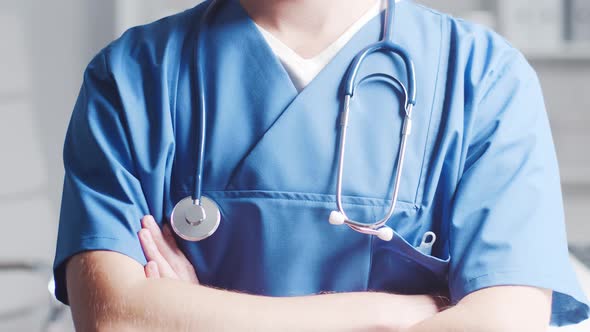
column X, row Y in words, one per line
column 111, row 292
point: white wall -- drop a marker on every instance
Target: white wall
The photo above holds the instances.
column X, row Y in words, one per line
column 565, row 77
column 134, row 12
column 45, row 46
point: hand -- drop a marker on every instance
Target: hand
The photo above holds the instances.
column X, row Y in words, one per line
column 165, row 259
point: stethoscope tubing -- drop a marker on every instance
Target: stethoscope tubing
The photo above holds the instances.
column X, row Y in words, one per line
column 382, row 46
column 202, row 102
column 385, row 45
column 356, row 225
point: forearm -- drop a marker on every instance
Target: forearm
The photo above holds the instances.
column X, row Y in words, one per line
column 166, row 305
column 462, row 318
column 495, row 309
column 456, row 319
column 125, row 296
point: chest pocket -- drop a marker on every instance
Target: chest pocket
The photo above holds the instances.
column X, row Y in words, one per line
column 281, row 244
column 400, row 267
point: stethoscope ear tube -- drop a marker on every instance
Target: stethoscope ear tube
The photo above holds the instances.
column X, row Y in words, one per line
column 383, row 46
column 379, row 227
column 339, row 216
column 385, row 233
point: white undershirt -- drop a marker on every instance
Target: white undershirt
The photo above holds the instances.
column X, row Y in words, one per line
column 302, row 70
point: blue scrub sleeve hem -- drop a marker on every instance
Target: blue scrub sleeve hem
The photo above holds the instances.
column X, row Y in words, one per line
column 91, row 244
column 569, row 305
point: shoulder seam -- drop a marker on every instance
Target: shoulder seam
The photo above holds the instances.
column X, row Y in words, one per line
column 505, row 63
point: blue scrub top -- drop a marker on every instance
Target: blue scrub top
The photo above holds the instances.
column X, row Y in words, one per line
column 480, row 169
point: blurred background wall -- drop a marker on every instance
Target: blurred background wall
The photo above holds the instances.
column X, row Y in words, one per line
column 47, row 44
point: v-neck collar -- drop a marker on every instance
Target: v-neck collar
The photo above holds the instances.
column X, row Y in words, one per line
column 268, row 59
column 255, row 106
column 339, row 43
column 319, row 98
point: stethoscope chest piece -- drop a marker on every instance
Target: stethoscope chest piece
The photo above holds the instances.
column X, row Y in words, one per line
column 195, row 222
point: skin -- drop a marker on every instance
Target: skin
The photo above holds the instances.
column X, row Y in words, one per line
column 165, row 295
column 477, row 306
column 306, row 26
column 111, row 292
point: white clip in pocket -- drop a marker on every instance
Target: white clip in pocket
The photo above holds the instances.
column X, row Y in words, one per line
column 428, row 241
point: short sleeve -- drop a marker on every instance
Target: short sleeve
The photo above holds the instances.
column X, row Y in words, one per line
column 102, row 202
column 507, row 220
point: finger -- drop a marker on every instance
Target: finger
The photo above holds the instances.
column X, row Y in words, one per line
column 188, row 272
column 151, row 270
column 170, row 240
column 153, row 254
column 169, row 250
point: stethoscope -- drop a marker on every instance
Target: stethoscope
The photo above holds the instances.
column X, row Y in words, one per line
column 197, row 217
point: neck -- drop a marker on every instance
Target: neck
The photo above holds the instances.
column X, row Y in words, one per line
column 307, row 26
